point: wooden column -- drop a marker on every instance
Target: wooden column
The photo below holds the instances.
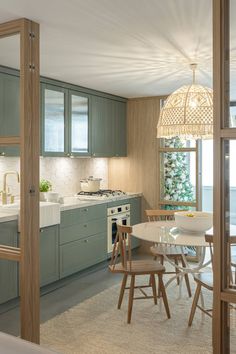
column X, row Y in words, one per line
column 28, row 253
column 221, row 335
column 29, row 216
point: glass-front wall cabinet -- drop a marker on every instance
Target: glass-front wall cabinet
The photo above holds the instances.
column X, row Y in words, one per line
column 54, row 120
column 79, row 124
column 65, row 122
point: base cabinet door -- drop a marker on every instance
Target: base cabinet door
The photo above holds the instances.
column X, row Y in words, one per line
column 8, row 269
column 49, row 255
column 80, row 254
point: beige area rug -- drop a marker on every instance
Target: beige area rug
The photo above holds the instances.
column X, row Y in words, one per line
column 97, row 327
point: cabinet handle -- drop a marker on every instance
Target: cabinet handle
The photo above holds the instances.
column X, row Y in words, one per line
column 41, row 230
column 94, row 154
column 2, row 153
column 68, row 155
column 86, row 209
column 86, row 241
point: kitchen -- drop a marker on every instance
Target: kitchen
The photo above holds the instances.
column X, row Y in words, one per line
column 101, row 164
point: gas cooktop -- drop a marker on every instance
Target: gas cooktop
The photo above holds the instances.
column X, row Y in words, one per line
column 102, row 194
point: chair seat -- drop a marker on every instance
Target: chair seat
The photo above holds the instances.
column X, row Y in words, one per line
column 206, row 280
column 170, row 251
column 139, row 267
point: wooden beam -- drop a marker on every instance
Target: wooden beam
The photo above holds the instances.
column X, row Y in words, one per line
column 167, row 149
column 29, row 212
column 11, row 28
column 171, row 202
column 10, row 253
column 9, row 140
column 221, row 335
column 229, row 296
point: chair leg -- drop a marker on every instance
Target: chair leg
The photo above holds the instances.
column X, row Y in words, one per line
column 159, row 289
column 131, row 298
column 154, row 289
column 122, row 290
column 176, row 269
column 194, row 304
column 163, row 292
column 186, row 278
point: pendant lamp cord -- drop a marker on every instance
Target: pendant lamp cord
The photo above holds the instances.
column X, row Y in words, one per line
column 194, row 67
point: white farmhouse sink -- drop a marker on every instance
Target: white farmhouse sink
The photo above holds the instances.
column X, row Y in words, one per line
column 49, row 213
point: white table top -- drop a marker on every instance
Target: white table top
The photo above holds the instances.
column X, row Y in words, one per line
column 167, row 233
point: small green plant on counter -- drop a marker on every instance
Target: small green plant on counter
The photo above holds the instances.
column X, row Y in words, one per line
column 45, row 185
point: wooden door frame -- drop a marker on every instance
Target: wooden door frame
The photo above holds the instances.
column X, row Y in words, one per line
column 222, row 294
column 28, row 253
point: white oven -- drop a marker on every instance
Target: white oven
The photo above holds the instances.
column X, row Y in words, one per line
column 116, row 215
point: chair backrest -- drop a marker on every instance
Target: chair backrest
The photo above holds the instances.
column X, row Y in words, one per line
column 122, row 247
column 160, row 214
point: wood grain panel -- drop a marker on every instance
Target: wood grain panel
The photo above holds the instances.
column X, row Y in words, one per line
column 29, row 158
column 139, row 171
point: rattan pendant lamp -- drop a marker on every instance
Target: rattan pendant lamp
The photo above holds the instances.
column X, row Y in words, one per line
column 187, row 112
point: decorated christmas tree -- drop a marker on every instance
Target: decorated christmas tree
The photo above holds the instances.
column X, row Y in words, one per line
column 176, row 182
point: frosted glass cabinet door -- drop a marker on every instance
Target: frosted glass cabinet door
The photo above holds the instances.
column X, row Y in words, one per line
column 79, row 127
column 54, row 122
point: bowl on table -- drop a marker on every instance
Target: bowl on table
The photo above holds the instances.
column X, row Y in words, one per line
column 193, row 221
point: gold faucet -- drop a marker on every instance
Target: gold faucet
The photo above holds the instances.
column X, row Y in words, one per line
column 4, row 191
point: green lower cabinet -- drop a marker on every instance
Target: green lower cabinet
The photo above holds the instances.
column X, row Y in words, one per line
column 135, row 211
column 8, row 269
column 135, row 217
column 80, row 254
column 49, row 255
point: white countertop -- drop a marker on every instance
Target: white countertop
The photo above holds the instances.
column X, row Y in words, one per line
column 6, row 216
column 10, row 214
column 74, row 202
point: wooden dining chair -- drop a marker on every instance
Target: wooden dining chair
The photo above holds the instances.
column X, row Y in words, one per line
column 121, row 262
column 173, row 252
column 205, row 280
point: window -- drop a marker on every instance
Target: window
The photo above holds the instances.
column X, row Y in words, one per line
column 178, row 181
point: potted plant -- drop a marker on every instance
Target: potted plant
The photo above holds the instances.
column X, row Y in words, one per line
column 44, row 187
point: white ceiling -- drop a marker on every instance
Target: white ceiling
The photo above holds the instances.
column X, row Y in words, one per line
column 126, row 47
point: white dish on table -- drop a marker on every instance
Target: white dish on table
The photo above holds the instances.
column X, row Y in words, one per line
column 193, row 221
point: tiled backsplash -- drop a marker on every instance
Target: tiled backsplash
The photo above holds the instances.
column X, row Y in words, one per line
column 64, row 173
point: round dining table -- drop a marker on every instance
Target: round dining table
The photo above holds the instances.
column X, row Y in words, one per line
column 165, row 233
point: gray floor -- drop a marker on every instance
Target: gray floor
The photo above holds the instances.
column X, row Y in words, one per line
column 62, row 296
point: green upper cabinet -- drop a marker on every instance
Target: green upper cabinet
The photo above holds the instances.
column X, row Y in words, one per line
column 120, row 130
column 79, row 124
column 102, row 127
column 54, row 137
column 75, row 121
column 9, row 110
column 108, row 127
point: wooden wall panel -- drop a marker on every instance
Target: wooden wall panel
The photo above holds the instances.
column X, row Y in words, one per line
column 139, row 172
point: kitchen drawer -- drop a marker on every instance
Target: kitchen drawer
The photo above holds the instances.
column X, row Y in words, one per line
column 69, row 217
column 85, row 229
column 93, row 212
column 81, row 215
column 78, row 255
